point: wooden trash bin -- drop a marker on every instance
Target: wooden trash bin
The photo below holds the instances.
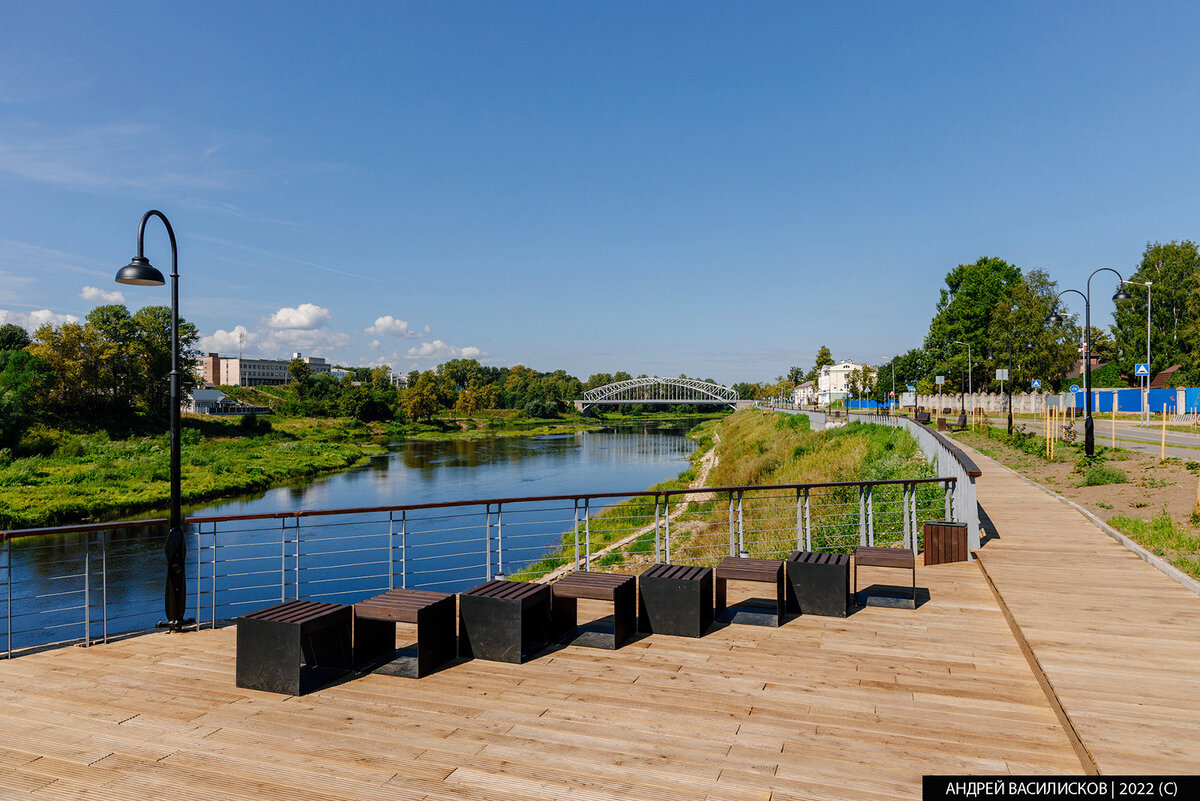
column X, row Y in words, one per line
column 945, row 541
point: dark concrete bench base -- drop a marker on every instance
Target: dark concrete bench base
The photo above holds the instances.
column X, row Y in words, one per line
column 504, row 621
column 675, row 599
column 294, row 647
column 819, row 583
column 901, row 558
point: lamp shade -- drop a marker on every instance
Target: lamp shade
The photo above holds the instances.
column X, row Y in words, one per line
column 140, row 272
column 1121, row 295
column 1054, row 317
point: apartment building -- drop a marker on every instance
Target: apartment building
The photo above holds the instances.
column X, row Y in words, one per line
column 832, row 381
column 238, row 371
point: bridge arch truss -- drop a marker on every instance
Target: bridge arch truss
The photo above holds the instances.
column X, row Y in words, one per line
column 655, row 390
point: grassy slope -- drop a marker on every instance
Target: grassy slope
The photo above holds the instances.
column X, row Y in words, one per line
column 91, row 478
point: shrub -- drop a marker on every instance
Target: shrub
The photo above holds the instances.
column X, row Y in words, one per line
column 1098, row 473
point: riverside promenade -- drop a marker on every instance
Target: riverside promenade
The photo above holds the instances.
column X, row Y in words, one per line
column 1057, row 652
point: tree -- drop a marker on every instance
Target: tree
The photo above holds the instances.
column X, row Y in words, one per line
column 301, row 374
column 1022, row 316
column 795, row 374
column 152, row 355
column 824, row 358
column 13, row 337
column 23, row 382
column 1174, row 271
column 972, row 296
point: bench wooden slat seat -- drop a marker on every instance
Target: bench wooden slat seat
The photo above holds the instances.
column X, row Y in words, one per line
column 903, row 558
column 621, row 590
column 504, row 621
column 675, row 599
column 767, row 571
column 293, row 647
column 375, row 622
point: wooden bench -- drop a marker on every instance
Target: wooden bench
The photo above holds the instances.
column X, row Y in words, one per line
column 959, row 424
column 375, row 622
column 504, row 621
column 819, row 583
column 903, row 558
column 922, row 417
column 766, row 571
column 620, row 590
column 293, row 647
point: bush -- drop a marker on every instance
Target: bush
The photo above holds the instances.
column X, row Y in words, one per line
column 1098, row 473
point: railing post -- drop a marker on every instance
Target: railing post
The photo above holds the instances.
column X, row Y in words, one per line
column 404, row 548
column 199, row 563
column 575, row 531
column 904, row 513
column 388, row 551
column 282, row 559
column 8, row 596
column 871, row 514
column 296, row 573
column 862, row 516
column 667, row 527
column 87, row 589
column 946, row 498
column 487, row 543
column 741, row 529
column 657, row 528
column 104, row 586
column 732, row 529
column 499, row 540
column 587, row 534
column 799, row 522
column 213, row 600
column 807, row 522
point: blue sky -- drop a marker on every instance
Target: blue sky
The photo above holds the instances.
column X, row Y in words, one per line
column 705, row 188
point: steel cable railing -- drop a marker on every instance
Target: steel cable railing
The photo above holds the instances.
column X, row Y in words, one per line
column 88, row 583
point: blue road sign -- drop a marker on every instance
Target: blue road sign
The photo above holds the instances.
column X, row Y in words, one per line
column 1037, row 383
column 912, row 388
column 1075, row 388
column 1141, row 369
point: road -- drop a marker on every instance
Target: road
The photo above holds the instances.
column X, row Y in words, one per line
column 1131, row 435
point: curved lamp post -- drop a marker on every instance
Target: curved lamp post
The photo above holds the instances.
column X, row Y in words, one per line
column 139, row 272
column 1089, row 439
column 970, row 389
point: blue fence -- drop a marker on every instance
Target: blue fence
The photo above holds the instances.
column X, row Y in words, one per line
column 1130, row 400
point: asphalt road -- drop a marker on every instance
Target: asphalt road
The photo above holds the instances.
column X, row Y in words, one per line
column 1130, row 435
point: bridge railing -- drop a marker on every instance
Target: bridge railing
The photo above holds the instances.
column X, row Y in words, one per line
column 89, row 583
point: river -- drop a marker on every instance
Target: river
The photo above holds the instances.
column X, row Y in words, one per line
column 117, row 574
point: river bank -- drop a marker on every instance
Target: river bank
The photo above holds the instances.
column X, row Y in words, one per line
column 90, row 478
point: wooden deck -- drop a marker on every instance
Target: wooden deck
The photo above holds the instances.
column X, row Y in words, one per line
column 820, row 708
column 1118, row 641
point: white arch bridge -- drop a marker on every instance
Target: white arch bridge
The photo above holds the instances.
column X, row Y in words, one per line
column 662, row 391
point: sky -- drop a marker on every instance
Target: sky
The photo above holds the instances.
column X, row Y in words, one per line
column 703, row 188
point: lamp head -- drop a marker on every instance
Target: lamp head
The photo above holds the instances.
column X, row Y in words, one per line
column 140, row 272
column 1121, row 295
column 1054, row 317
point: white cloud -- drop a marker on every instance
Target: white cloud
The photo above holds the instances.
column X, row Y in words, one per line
column 227, row 342
column 98, row 295
column 31, row 321
column 306, row 316
column 266, row 344
column 388, row 325
column 437, row 349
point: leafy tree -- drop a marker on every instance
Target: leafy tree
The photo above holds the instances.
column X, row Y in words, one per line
column 13, row 337
column 23, row 383
column 795, row 374
column 301, row 374
column 824, row 357
column 152, row 356
column 973, row 294
column 1174, row 271
column 1022, row 316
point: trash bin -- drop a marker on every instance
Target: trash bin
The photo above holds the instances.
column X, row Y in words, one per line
column 945, row 541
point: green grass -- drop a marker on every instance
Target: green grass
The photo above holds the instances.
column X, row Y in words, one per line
column 91, row 478
column 1163, row 537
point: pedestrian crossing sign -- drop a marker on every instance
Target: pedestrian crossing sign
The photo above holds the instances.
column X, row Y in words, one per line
column 1141, row 369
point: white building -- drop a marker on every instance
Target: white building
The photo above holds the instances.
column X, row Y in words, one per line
column 236, row 371
column 214, row 401
column 832, row 381
column 805, row 394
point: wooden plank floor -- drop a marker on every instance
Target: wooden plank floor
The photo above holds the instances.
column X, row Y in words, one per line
column 1118, row 640
column 820, row 708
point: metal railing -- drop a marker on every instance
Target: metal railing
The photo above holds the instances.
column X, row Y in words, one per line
column 88, row 583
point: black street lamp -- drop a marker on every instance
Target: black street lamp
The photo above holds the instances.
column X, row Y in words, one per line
column 1089, row 439
column 139, row 272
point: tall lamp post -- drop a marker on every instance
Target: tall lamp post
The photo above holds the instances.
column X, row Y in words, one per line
column 139, row 272
column 970, row 390
column 1089, row 439
column 1146, row 396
